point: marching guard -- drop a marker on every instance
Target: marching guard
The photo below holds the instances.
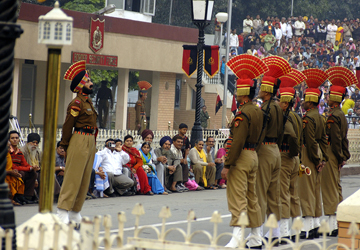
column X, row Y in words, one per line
column 241, row 161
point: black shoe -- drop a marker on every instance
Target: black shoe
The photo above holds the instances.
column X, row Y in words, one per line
column 112, row 195
column 311, row 235
column 272, row 240
column 128, row 193
column 303, row 235
column 334, row 233
column 254, row 247
column 293, row 238
column 316, row 233
column 283, row 242
column 18, row 201
column 149, row 193
column 25, row 200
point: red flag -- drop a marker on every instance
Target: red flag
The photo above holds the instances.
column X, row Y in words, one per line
column 358, row 76
column 211, row 60
column 234, row 106
column 218, row 104
column 189, row 62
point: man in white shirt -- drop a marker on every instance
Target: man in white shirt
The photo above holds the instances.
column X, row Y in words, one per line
column 283, row 26
column 176, row 150
column 256, row 22
column 331, row 31
column 278, row 35
column 112, row 159
column 289, row 28
column 299, row 27
column 233, row 40
column 247, row 24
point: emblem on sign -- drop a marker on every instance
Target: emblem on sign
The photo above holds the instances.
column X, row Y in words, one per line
column 97, row 31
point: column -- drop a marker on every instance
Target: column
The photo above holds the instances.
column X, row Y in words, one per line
column 122, row 98
column 15, row 91
column 154, row 100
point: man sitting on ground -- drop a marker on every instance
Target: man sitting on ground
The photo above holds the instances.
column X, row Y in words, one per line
column 112, row 160
column 203, row 169
column 28, row 172
column 209, row 147
column 172, row 166
column 33, row 156
column 176, row 149
column 185, row 149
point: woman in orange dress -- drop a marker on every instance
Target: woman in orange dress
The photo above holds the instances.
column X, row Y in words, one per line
column 135, row 164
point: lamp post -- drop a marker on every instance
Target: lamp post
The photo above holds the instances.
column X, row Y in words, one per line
column 55, row 30
column 222, row 18
column 201, row 12
column 9, row 31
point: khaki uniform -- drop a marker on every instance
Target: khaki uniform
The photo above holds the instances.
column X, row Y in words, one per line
column 242, row 162
column 268, row 178
column 338, row 151
column 140, row 116
column 80, row 152
column 290, row 148
column 313, row 153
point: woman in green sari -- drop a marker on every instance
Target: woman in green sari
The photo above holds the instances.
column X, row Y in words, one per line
column 269, row 40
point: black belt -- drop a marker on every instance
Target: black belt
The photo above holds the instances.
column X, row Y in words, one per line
column 284, row 147
column 85, row 130
column 267, row 139
column 250, row 145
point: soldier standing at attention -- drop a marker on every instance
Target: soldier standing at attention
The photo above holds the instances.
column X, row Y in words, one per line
column 79, row 146
column 313, row 154
column 140, row 122
column 268, row 178
column 241, row 160
column 289, row 151
column 338, row 150
column 104, row 94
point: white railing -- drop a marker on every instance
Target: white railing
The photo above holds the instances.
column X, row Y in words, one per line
column 219, row 135
column 47, row 234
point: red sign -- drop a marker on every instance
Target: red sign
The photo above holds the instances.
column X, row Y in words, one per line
column 97, row 32
column 101, row 60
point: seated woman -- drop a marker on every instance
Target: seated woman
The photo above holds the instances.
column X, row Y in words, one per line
column 135, row 164
column 204, row 172
column 150, row 169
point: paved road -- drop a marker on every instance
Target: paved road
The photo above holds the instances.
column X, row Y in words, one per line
column 204, row 203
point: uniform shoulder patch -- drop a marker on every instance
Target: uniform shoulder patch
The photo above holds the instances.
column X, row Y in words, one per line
column 77, row 101
column 74, row 113
column 305, row 121
column 237, row 121
column 330, row 121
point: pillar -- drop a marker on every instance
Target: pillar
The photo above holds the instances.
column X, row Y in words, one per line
column 122, row 98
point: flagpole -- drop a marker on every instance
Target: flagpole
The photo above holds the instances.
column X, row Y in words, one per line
column 228, row 28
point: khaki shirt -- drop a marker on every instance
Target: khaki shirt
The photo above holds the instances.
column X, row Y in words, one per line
column 293, row 133
column 80, row 114
column 245, row 128
column 274, row 126
column 314, row 135
column 336, row 129
column 140, row 112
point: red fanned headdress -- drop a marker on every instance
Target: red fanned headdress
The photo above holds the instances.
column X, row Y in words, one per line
column 288, row 82
column 246, row 68
column 278, row 67
column 315, row 77
column 77, row 74
column 340, row 78
column 144, row 86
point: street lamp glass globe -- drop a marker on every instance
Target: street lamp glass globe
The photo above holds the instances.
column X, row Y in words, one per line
column 55, row 28
column 222, row 17
column 202, row 10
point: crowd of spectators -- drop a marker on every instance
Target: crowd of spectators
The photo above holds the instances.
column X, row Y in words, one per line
column 304, row 43
column 122, row 168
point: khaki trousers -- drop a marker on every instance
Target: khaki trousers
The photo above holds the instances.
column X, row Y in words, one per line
column 294, row 190
column 268, row 181
column 331, row 188
column 79, row 162
column 210, row 174
column 309, row 188
column 287, row 167
column 241, row 189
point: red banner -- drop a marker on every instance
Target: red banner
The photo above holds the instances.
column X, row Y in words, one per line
column 101, row 60
column 97, row 32
column 189, row 62
column 211, row 60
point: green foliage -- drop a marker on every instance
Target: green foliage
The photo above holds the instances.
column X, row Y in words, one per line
column 133, row 79
column 88, row 6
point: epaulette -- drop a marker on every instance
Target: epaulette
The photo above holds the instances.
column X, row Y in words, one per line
column 77, row 101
